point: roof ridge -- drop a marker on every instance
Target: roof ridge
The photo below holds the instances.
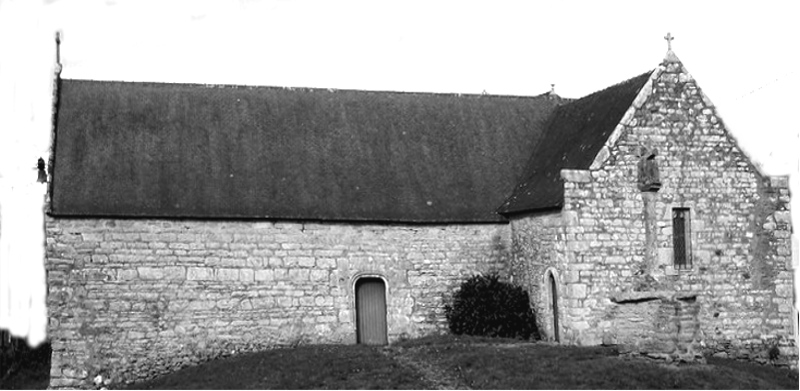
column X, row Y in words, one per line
column 611, row 86
column 546, row 95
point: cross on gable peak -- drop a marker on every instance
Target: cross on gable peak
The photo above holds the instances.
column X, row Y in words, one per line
column 669, row 39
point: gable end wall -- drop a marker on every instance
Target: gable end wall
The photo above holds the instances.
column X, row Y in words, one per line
column 740, row 228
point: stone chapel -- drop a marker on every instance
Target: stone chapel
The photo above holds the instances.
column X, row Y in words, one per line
column 185, row 222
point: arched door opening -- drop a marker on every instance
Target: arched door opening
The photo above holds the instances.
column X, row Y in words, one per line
column 554, row 295
column 371, row 311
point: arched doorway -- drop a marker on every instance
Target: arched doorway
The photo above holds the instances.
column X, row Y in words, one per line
column 371, row 311
column 554, row 296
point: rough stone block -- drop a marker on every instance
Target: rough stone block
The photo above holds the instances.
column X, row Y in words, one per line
column 783, row 217
column 275, row 262
column 125, row 237
column 227, row 303
column 601, row 158
column 326, row 263
column 576, row 291
column 264, row 275
column 225, row 274
column 262, row 302
column 93, row 237
column 306, row 262
column 582, row 176
column 246, row 275
column 664, row 256
column 319, row 275
column 323, row 301
column 781, row 181
column 784, row 290
column 307, row 301
column 299, row 274
column 615, row 259
column 572, row 276
column 151, row 273
column 703, row 257
column 99, row 258
column 200, row 274
column 578, row 246
column 580, row 325
column 174, row 273
column 60, row 382
column 328, row 253
column 284, row 302
column 127, row 274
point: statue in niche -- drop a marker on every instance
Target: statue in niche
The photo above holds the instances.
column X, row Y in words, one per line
column 649, row 179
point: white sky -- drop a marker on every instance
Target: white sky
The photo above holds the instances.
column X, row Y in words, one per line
column 743, row 54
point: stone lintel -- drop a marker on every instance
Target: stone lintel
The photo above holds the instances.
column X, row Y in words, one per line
column 583, row 176
column 637, row 297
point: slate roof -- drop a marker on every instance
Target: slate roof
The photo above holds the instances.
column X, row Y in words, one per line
column 193, row 151
column 575, row 134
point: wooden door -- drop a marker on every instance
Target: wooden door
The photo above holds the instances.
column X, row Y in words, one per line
column 371, row 311
column 554, row 294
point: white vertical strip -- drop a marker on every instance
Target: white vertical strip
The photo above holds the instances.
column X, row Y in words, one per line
column 27, row 54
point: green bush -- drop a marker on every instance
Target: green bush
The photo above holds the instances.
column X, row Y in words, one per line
column 486, row 306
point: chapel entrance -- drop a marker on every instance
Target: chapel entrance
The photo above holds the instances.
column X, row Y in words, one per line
column 554, row 295
column 371, row 311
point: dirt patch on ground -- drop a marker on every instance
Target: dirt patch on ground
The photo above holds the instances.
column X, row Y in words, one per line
column 436, row 378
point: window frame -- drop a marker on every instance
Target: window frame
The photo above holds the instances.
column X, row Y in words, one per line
column 684, row 239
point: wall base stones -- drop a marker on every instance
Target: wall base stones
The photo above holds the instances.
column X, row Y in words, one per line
column 132, row 299
column 656, row 324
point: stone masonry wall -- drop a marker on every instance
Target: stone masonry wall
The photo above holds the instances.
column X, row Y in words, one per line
column 538, row 249
column 656, row 325
column 131, row 299
column 739, row 226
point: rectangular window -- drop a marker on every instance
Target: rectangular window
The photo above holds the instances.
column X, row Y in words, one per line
column 681, row 243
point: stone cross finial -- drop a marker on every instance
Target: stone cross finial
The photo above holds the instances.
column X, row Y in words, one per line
column 669, row 39
column 58, row 46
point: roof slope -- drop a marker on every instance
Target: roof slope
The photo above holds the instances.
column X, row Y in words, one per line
column 576, row 133
column 182, row 150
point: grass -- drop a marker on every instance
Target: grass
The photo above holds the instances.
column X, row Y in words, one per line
column 502, row 364
column 455, row 362
column 304, row 367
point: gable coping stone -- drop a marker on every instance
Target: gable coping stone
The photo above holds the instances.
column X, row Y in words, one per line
column 641, row 97
column 569, row 175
